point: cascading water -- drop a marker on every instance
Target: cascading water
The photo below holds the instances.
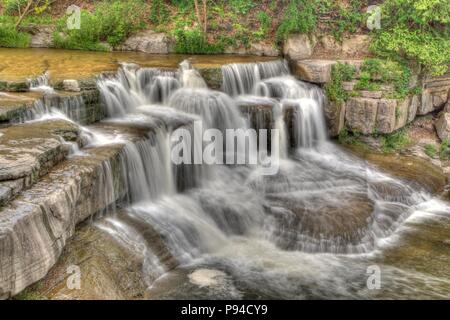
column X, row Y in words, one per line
column 259, row 229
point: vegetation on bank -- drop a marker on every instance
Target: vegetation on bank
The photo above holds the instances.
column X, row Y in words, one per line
column 388, row 143
column 412, row 32
column 441, row 152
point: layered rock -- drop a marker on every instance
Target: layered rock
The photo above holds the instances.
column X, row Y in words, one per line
column 302, row 46
column 35, row 227
column 29, row 151
column 435, row 93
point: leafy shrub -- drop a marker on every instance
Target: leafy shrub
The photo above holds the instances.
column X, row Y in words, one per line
column 11, row 6
column 242, row 6
column 159, row 12
column 376, row 71
column 349, row 138
column 300, row 17
column 415, row 30
column 11, row 38
column 265, row 24
column 193, row 41
column 339, row 73
column 444, row 150
column 395, row 141
column 111, row 22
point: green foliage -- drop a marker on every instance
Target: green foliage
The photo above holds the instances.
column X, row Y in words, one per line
column 444, row 150
column 11, row 38
column 159, row 12
column 265, row 23
column 377, row 71
column 111, row 22
column 349, row 138
column 193, row 41
column 339, row 73
column 300, row 17
column 417, row 31
column 395, row 141
column 347, row 18
column 242, row 6
column 430, row 150
column 11, row 6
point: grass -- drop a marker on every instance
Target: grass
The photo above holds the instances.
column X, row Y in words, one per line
column 11, row 38
column 395, row 141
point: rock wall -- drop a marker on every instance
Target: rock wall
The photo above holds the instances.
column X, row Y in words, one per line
column 312, row 58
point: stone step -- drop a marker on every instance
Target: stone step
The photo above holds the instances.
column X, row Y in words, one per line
column 28, row 151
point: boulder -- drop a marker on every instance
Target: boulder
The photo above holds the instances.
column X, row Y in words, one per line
column 443, row 126
column 147, row 41
column 299, row 46
column 41, row 35
column 71, row 85
column 316, row 71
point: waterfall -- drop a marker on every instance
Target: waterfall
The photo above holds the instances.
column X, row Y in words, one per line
column 134, row 87
column 241, row 78
column 41, row 83
column 234, row 217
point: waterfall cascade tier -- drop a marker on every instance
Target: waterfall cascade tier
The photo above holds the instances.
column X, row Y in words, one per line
column 235, row 218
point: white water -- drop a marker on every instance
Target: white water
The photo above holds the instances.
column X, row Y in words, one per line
column 305, row 232
column 325, row 209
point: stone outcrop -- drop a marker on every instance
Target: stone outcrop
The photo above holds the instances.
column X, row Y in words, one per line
column 212, row 76
column 443, row 126
column 317, row 71
column 302, row 46
column 299, row 46
column 368, row 115
column 256, row 49
column 147, row 41
column 435, row 92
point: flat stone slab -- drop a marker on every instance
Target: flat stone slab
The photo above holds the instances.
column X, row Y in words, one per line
column 29, row 149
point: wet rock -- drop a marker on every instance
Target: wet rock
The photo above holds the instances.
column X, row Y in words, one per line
column 212, row 77
column 443, row 126
column 108, row 270
column 13, row 106
column 29, row 150
column 71, row 85
column 147, row 41
column 34, row 227
column 299, row 46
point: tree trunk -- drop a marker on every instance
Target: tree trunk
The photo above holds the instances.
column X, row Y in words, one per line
column 205, row 16
column 24, row 13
